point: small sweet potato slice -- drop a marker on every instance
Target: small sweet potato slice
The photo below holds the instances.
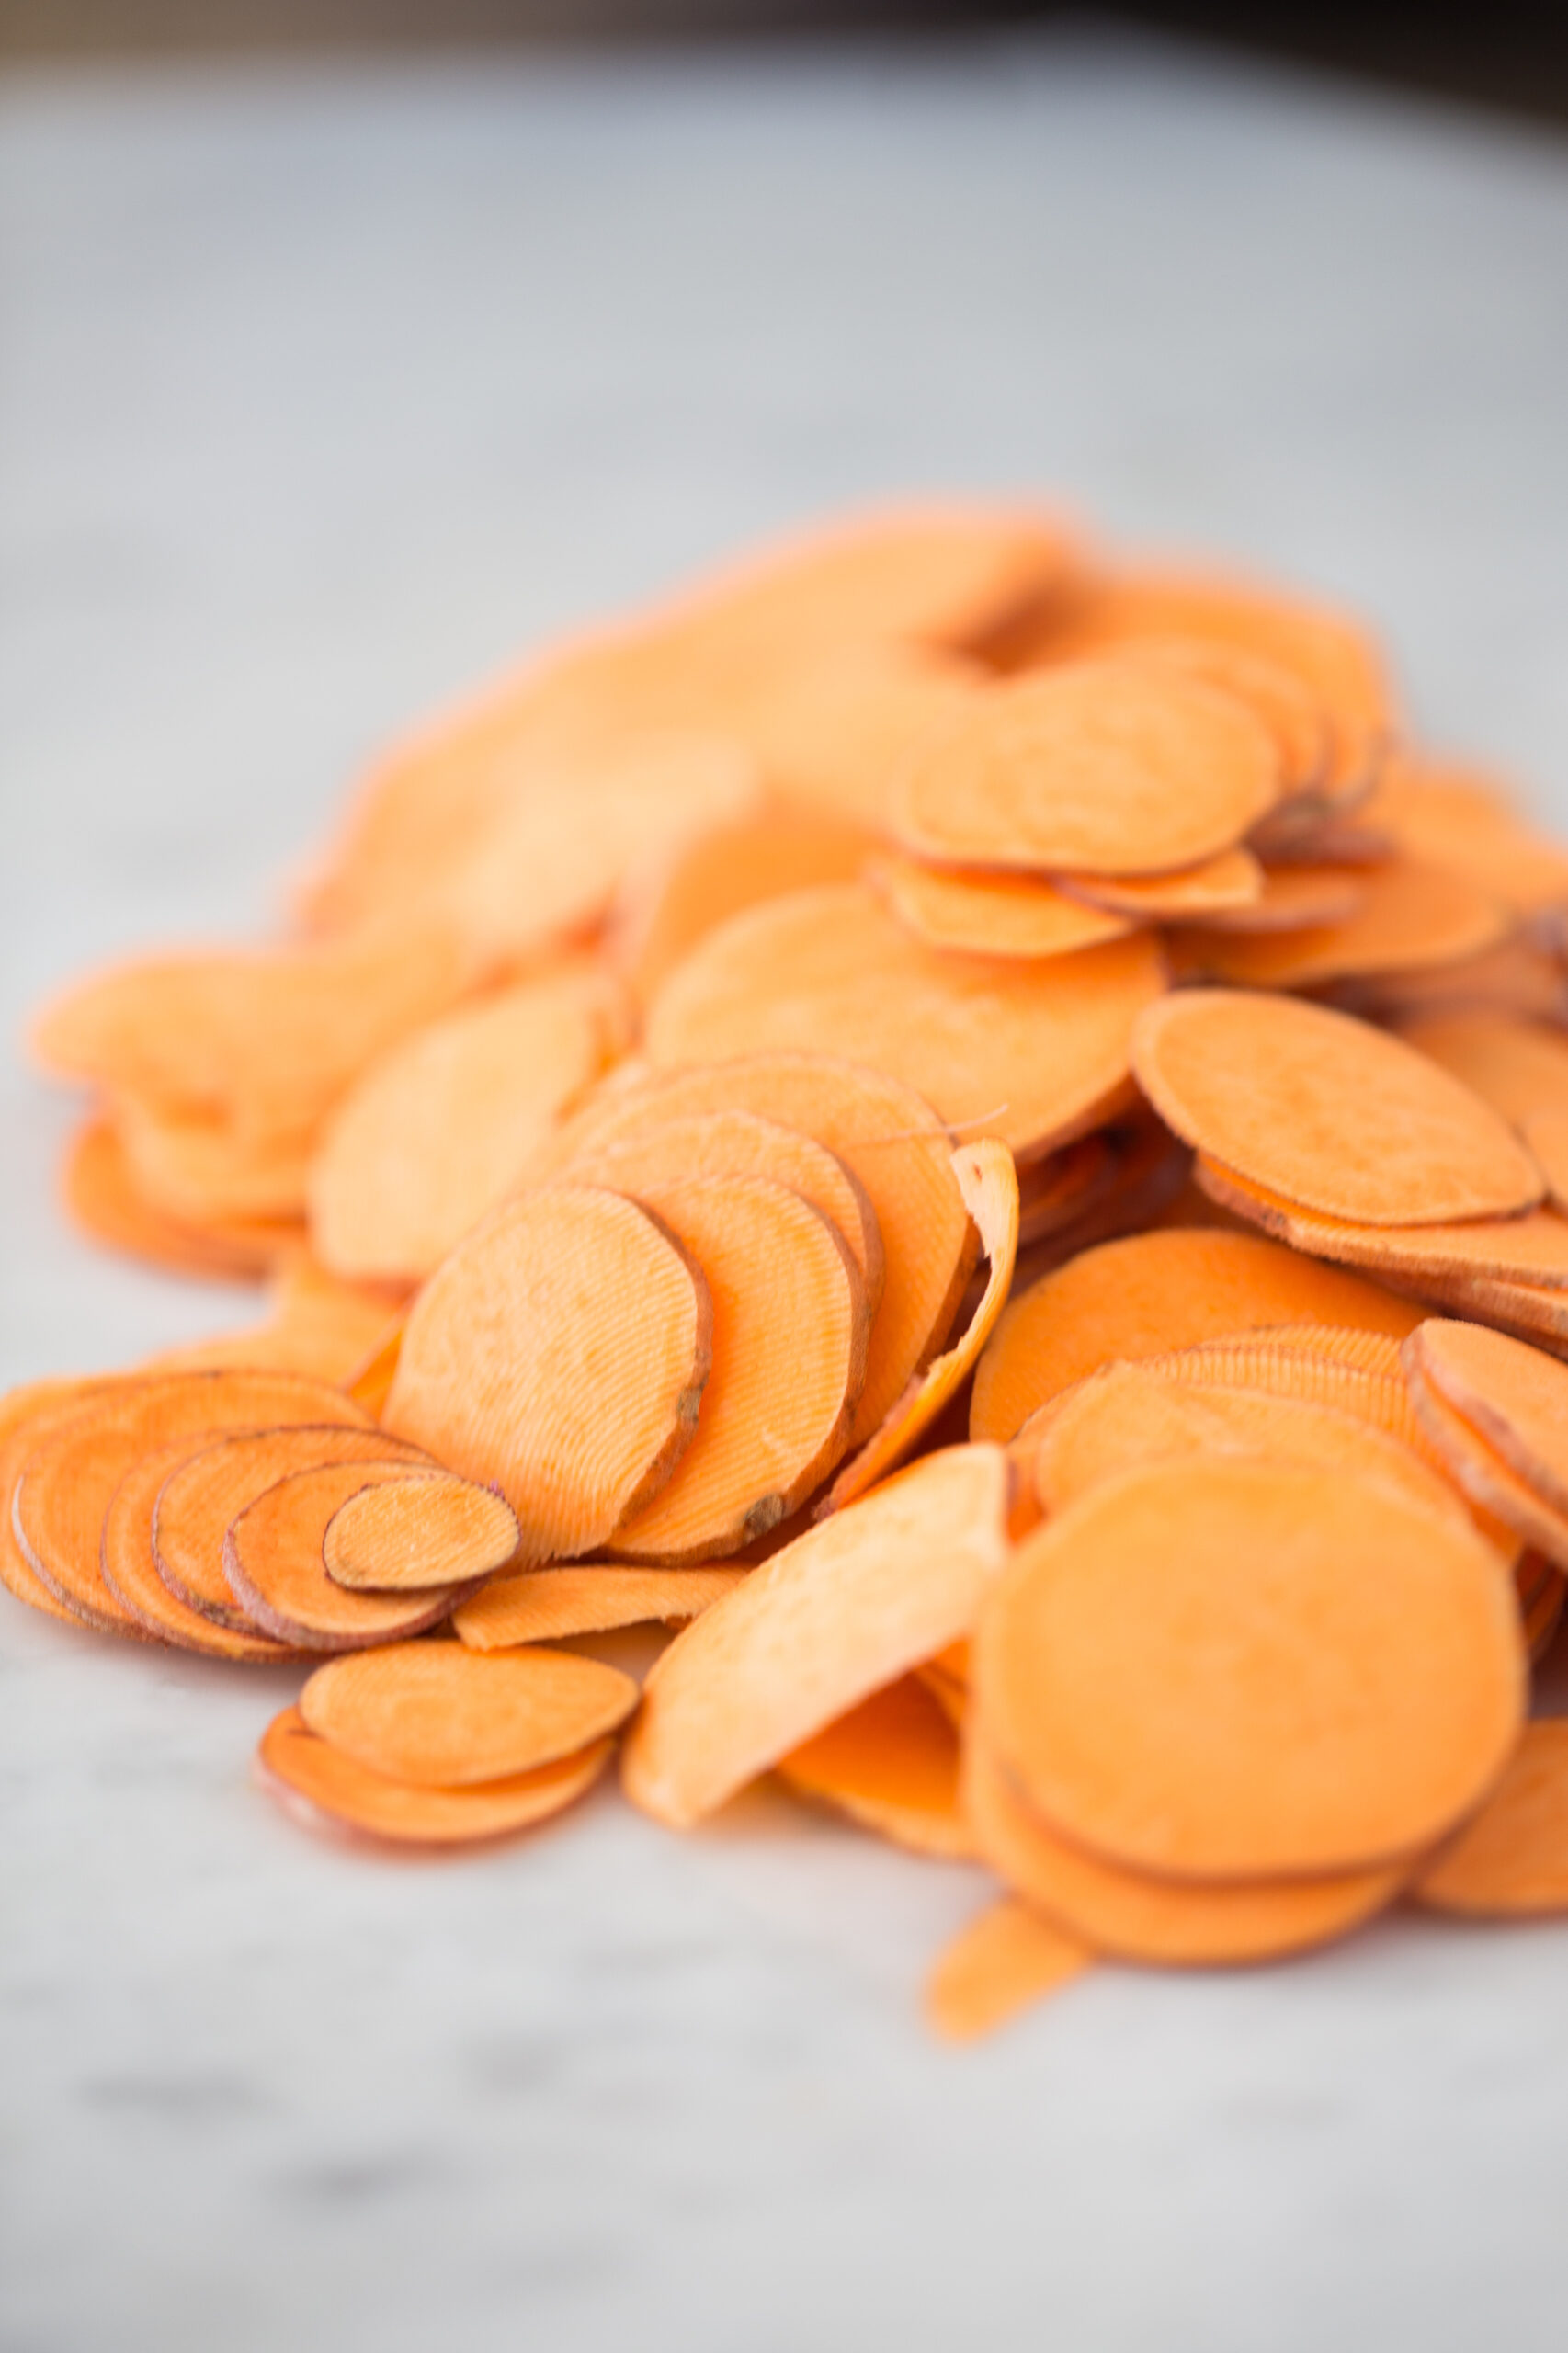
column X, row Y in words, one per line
column 131, row 1571
column 410, row 1534
column 103, row 1199
column 1299, row 897
column 1407, row 917
column 1527, row 1251
column 562, row 1351
column 891, row 1765
column 549, row 1605
column 1510, row 1861
column 1517, row 1396
column 325, row 1790
column 992, row 915
column 443, row 1717
column 1229, row 881
column 1492, row 1483
column 273, row 1559
column 855, row 1602
column 1008, row 1959
column 25, row 1414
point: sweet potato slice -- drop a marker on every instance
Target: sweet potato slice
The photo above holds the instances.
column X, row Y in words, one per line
column 890, row 1139
column 1107, row 766
column 832, row 739
column 549, row 1605
column 206, row 1169
column 562, row 1351
column 1028, row 1050
column 1008, row 1959
column 442, row 1717
column 789, row 1362
column 102, row 1199
column 990, row 1187
column 437, row 1130
column 1148, row 1293
column 25, row 1414
column 1232, row 1670
column 992, row 915
column 848, row 1607
column 1265, row 1084
column 413, row 1533
column 1491, row 1482
column 66, row 1481
column 1519, row 1067
column 891, row 1765
column 273, row 1559
column 131, row 1571
column 1528, row 1251
column 1137, row 1917
column 205, row 1489
column 1231, row 880
column 1517, row 1396
column 1298, row 897
column 1464, row 820
column 325, row 1790
column 1511, row 1860
column 1408, row 918
column 318, row 1325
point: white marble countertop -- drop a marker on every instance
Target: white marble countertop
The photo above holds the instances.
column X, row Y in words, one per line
column 320, row 394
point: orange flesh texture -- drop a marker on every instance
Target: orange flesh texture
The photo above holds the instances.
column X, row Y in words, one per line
column 851, row 1605
column 789, row 1362
column 549, row 1605
column 1148, row 1293
column 420, row 1532
column 732, row 865
column 1262, row 1084
column 477, row 1089
column 204, row 1492
column 103, row 1201
column 1111, row 766
column 1282, row 704
column 1458, row 819
column 1530, row 1249
column 990, row 1187
column 1136, row 1917
column 992, row 915
column 131, row 1571
column 26, row 1415
column 1517, row 1397
column 1519, row 1067
column 1005, row 1962
column 834, row 739
column 891, row 1765
column 1230, row 880
column 560, row 1351
column 66, row 1482
column 443, row 1717
column 1511, row 1860
column 201, row 1168
column 890, row 1142
column 1490, row 1481
column 1291, row 1675
column 1295, row 898
column 325, row 1789
column 272, row 1557
column 1408, row 916
column 1023, row 1050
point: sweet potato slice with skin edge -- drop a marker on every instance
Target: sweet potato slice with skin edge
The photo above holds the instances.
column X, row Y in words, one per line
column 990, row 1187
column 66, row 1482
column 442, row 1717
column 1492, row 1483
column 549, row 1605
column 324, row 1789
column 1515, row 1395
column 740, row 1143
column 1005, row 1961
column 1232, row 879
column 1522, row 1251
column 103, row 1201
column 1409, row 918
column 1294, row 898
column 204, row 1492
column 789, row 1363
column 419, row 1533
column 1144, row 1294
column 205, row 1168
column 272, row 1558
column 846, row 1608
column 1105, row 766
column 1026, row 1050
column 131, row 1572
column 992, row 915
column 1234, row 1670
column 891, row 1765
column 886, row 1135
column 1123, row 1913
column 1510, row 1860
column 560, row 1351
column 1261, row 1083
column 1256, row 1361
column 1519, row 1067
column 27, row 1413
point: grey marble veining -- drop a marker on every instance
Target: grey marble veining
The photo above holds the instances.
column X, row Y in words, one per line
column 320, row 394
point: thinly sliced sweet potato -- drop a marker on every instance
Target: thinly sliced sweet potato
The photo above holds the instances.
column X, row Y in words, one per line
column 1232, row 1670
column 560, row 1350
column 1408, row 918
column 1230, row 880
column 992, row 915
column 1519, row 1067
column 442, row 1717
column 203, row 1169
column 67, row 1478
column 1511, row 1860
column 273, row 1559
column 549, row 1605
column 26, row 1415
column 789, row 1362
column 411, row 1534
column 1004, row 1962
column 1152, row 1293
column 1262, row 1085
column 1296, row 897
column 990, row 1187
column 1464, row 820
column 1529, row 1250
column 711, row 876
column 102, row 1199
column 834, row 739
column 848, row 1607
column 1032, row 1052
column 1517, row 1396
column 326, row 1790
column 1490, row 1481
column 891, row 1765
column 131, row 1571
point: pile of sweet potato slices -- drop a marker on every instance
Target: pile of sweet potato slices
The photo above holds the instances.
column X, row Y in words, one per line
column 967, row 1125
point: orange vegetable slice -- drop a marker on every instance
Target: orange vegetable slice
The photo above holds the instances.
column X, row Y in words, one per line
column 789, row 1362
column 1262, row 1084
column 273, row 1559
column 1109, row 766
column 549, row 1605
column 1407, row 917
column 1529, row 1250
column 25, row 1414
column 1233, row 1669
column 443, row 1717
column 325, row 1790
column 131, row 1571
column 1008, row 1959
column 413, row 1533
column 103, row 1201
column 1232, row 879
column 992, row 915
column 1519, row 1067
column 1515, row 1395
column 1294, row 898
column 891, row 1765
column 1492, row 1483
column 1464, row 820
column 1511, row 1860
column 205, row 1170
column 1028, row 1050
column 851, row 1605
column 560, row 1350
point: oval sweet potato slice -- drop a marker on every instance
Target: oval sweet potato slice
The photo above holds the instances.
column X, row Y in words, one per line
column 409, row 1534
column 443, row 1717
column 547, row 1605
column 273, row 1559
column 891, row 1765
column 1004, row 1962
column 1517, row 1396
column 992, row 915
column 1511, row 1860
column 131, row 1572
column 25, row 1414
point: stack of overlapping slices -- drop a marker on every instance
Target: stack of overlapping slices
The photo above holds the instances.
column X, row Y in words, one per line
column 928, row 1112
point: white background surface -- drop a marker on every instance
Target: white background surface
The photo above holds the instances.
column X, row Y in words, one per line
column 319, row 396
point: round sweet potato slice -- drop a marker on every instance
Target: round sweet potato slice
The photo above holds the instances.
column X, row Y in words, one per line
column 891, row 1765
column 1517, row 1396
column 273, row 1559
column 325, row 1790
column 549, row 1605
column 1004, row 1962
column 992, row 915
column 444, row 1717
column 1511, row 1860
column 406, row 1535
column 131, row 1572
